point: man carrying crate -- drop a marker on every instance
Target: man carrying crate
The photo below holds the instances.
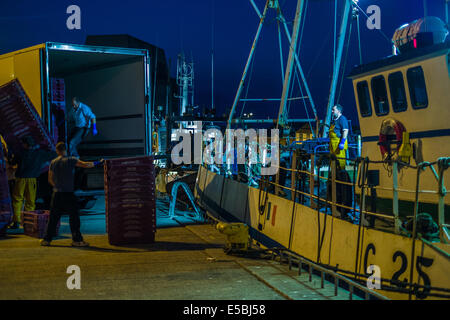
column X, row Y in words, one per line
column 61, row 177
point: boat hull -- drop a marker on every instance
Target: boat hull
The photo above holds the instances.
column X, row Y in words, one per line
column 324, row 239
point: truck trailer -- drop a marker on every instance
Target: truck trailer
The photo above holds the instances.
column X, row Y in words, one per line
column 113, row 82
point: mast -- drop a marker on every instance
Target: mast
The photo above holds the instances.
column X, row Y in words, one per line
column 337, row 66
column 299, row 68
column 185, row 80
column 247, row 65
column 290, row 65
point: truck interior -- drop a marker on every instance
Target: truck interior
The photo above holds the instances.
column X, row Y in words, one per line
column 113, row 86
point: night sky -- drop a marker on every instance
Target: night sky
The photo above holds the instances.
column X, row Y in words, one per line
column 187, row 26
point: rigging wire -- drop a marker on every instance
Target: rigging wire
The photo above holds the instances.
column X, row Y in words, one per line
column 383, row 34
column 295, row 69
column 345, row 62
column 359, row 38
column 304, row 103
column 334, row 37
column 248, row 84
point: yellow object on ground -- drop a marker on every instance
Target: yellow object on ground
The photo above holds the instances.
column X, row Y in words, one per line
column 161, row 181
column 24, row 189
column 237, row 234
column 334, row 147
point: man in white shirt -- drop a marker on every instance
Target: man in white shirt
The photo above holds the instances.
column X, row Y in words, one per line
column 83, row 117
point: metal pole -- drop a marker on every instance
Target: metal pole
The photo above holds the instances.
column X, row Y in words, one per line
column 334, row 212
column 212, row 80
column 395, row 197
column 281, row 51
column 256, row 9
column 446, row 11
column 250, row 57
column 414, row 230
column 299, row 67
column 359, row 39
column 290, row 64
column 441, row 204
column 342, row 34
column 212, row 58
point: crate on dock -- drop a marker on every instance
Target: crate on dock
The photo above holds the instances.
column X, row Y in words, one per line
column 35, row 223
column 130, row 200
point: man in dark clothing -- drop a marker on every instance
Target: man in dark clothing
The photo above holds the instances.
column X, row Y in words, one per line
column 84, row 118
column 338, row 135
column 61, row 177
column 338, row 145
column 30, row 163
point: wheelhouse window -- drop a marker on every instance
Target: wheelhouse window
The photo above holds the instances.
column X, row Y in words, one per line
column 380, row 98
column 365, row 106
column 417, row 88
column 398, row 94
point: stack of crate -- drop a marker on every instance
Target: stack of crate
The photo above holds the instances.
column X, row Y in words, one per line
column 58, row 95
column 130, row 200
column 5, row 198
column 19, row 118
column 35, row 223
column 58, row 92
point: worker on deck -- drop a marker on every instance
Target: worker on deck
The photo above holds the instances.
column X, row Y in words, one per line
column 61, row 177
column 29, row 165
column 338, row 135
column 83, row 117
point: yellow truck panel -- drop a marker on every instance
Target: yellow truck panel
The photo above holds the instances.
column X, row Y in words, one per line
column 24, row 65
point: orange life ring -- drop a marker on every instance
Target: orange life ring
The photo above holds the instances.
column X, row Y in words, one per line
column 390, row 127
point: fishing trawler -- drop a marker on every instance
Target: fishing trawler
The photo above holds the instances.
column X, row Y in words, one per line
column 392, row 214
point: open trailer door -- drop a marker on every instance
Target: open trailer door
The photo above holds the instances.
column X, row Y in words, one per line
column 114, row 83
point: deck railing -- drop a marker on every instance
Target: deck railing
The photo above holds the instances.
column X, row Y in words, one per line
column 360, row 179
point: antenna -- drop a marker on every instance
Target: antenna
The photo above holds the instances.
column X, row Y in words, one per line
column 212, row 55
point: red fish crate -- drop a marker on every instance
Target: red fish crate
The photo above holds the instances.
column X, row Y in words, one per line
column 129, row 162
column 131, row 237
column 126, row 200
column 118, row 216
column 130, row 204
column 122, row 223
column 35, row 223
column 131, row 169
column 129, row 182
column 137, row 189
column 19, row 118
column 117, row 226
column 143, row 173
column 133, row 221
column 116, row 190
